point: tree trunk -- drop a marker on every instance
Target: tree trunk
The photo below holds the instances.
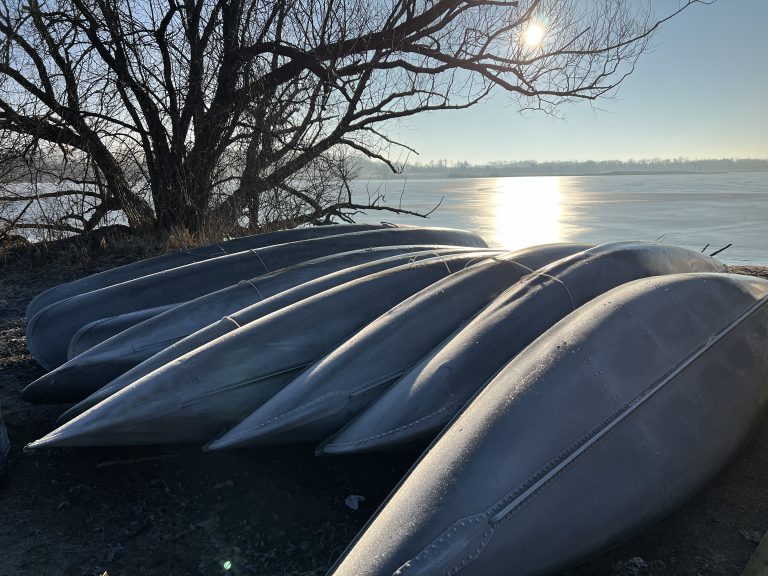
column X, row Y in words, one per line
column 181, row 196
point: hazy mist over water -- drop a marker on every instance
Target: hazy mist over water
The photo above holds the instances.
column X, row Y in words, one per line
column 690, row 210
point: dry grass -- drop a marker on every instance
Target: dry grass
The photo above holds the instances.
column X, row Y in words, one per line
column 759, row 271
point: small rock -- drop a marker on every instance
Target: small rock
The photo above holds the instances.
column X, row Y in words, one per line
column 353, row 501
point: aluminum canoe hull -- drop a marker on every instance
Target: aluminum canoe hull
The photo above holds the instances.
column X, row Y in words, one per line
column 103, row 329
column 417, row 407
column 195, row 323
column 199, row 395
column 184, row 257
column 329, row 393
column 614, row 417
column 51, row 329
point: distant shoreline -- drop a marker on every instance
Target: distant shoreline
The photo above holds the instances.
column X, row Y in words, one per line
column 609, row 173
column 455, row 176
column 530, row 168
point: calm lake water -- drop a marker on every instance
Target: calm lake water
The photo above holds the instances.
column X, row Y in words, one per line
column 688, row 210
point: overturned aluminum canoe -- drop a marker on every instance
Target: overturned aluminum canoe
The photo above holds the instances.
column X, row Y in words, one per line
column 50, row 330
column 176, row 259
column 200, row 394
column 614, row 417
column 232, row 322
column 325, row 396
column 103, row 329
column 417, row 407
column 151, row 337
column 207, row 318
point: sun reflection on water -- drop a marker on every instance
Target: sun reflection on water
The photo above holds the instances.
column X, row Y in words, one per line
column 526, row 211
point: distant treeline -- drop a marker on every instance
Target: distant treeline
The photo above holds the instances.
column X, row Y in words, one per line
column 463, row 169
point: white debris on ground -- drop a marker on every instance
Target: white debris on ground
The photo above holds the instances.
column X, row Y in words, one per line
column 353, row 501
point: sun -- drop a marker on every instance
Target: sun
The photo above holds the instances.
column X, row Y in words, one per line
column 534, row 34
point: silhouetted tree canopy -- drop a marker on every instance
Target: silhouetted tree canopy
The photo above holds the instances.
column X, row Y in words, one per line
column 177, row 113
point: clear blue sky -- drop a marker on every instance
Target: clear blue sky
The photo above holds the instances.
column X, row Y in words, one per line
column 702, row 93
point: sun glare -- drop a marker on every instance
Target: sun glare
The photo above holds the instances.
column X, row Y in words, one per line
column 534, row 34
column 527, row 211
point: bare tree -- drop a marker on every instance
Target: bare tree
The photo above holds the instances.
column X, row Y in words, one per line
column 173, row 113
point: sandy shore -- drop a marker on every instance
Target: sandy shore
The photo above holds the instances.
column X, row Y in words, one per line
column 174, row 510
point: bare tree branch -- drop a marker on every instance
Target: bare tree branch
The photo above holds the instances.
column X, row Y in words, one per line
column 173, row 113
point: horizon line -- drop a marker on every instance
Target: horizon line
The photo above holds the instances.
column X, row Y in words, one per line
column 679, row 159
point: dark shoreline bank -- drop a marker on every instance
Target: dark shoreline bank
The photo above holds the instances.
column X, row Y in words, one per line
column 175, row 510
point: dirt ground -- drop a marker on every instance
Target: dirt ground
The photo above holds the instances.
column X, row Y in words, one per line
column 175, row 510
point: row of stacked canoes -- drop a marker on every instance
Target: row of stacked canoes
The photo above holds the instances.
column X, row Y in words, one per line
column 572, row 394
